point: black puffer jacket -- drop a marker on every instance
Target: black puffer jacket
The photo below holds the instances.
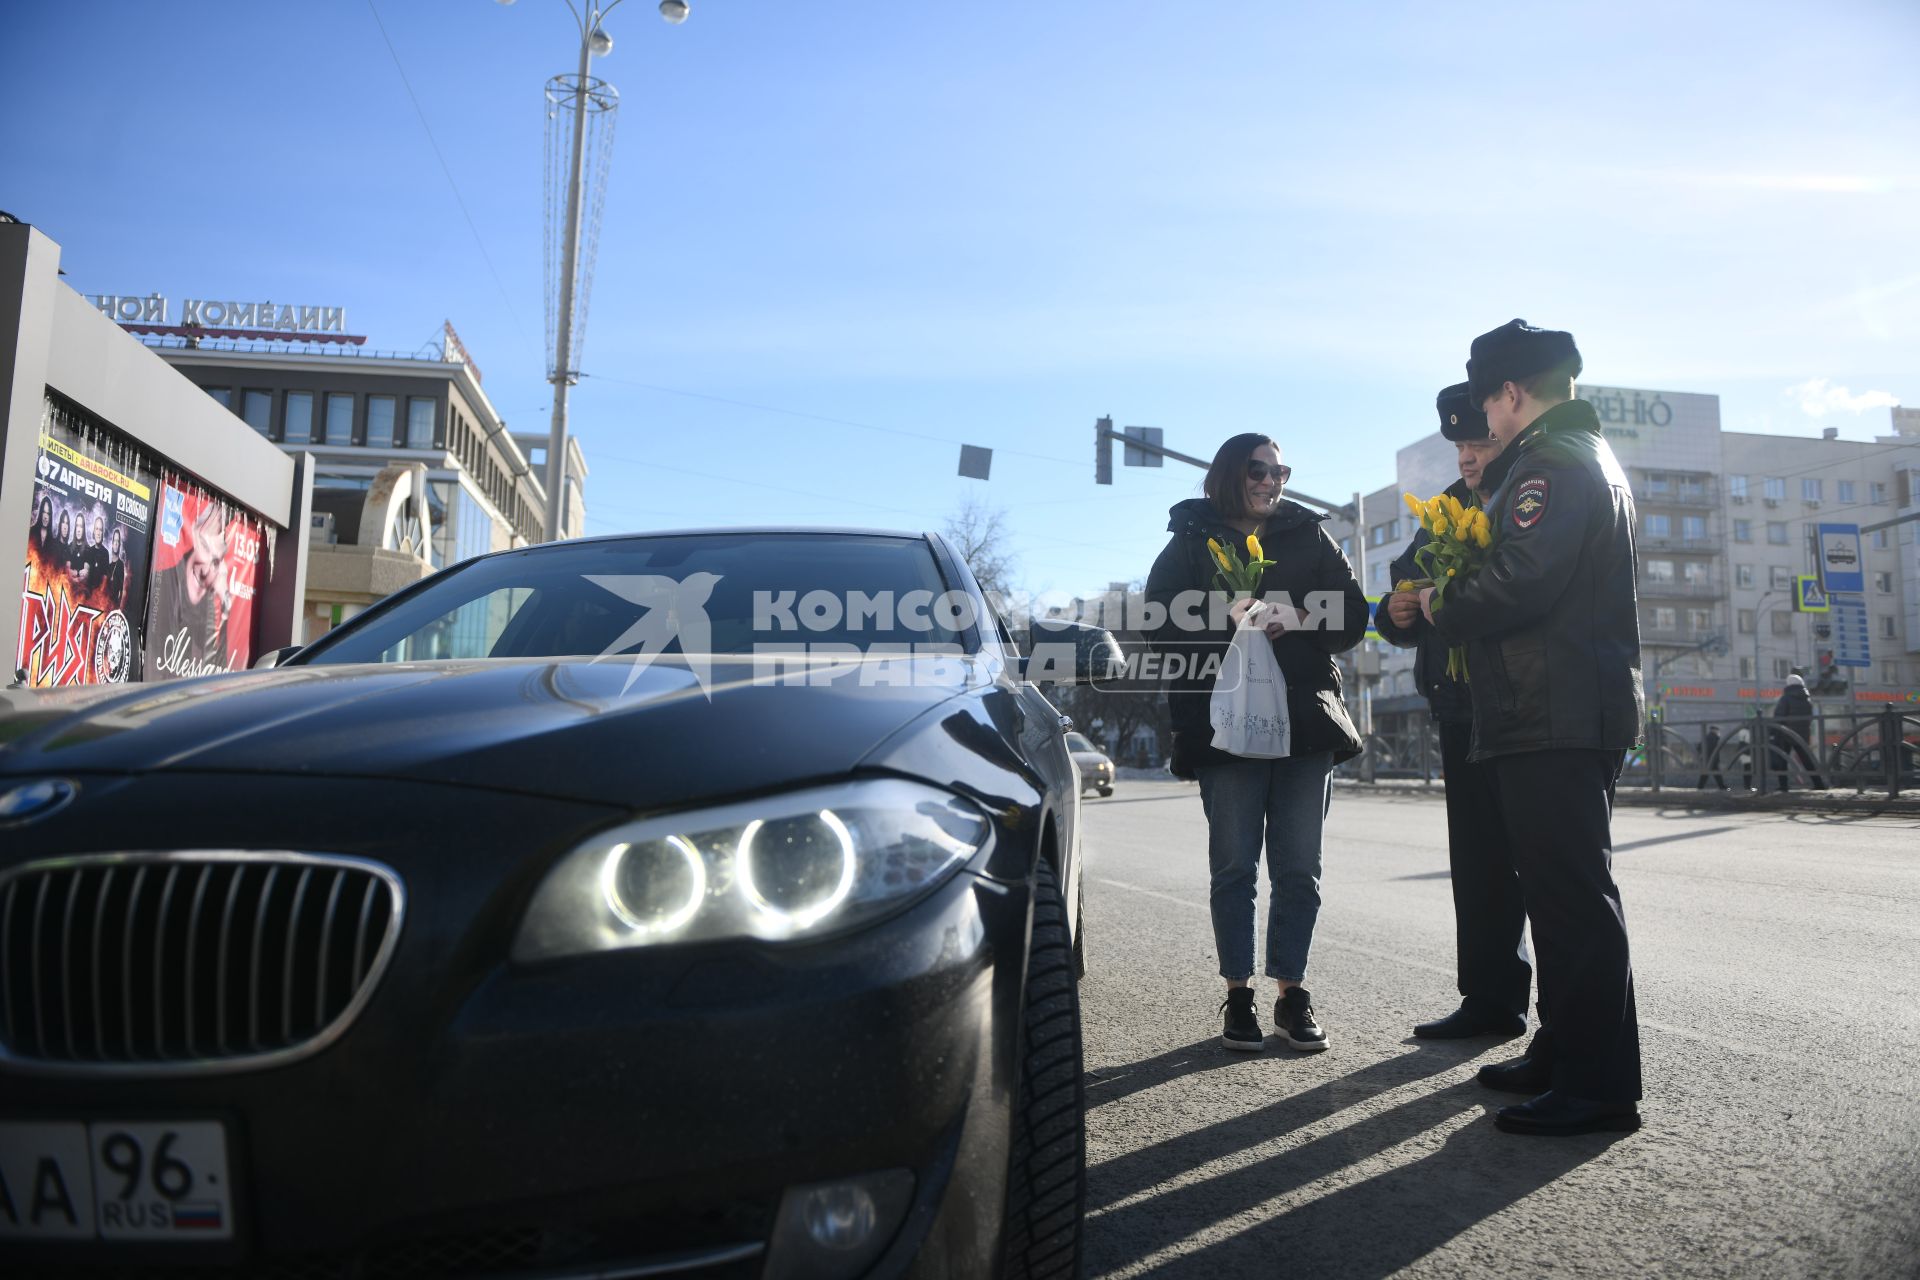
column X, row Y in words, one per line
column 1551, row 622
column 1305, row 560
column 1451, row 700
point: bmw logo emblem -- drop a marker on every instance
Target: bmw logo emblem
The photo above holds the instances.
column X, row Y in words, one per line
column 35, row 800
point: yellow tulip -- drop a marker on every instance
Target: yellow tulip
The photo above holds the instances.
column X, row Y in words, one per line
column 1451, row 572
column 1454, row 510
column 1439, row 528
column 1483, row 535
column 1413, row 503
column 1253, row 548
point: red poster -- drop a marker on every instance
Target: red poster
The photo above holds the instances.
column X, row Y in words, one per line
column 206, row 568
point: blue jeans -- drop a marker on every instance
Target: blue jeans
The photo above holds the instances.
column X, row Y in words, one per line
column 1283, row 804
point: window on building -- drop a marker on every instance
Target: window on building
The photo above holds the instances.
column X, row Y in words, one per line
column 1782, row 622
column 1811, row 488
column 420, row 422
column 1777, row 533
column 1779, row 579
column 1657, row 483
column 1346, row 548
column 1746, row 622
column 223, row 395
column 339, row 429
column 1746, row 668
column 1737, row 488
column 1883, row 583
column 1743, row 531
column 1876, row 492
column 1776, row 488
column 1381, row 533
column 1886, row 627
column 1659, row 571
column 1659, row 526
column 1880, row 542
column 1694, row 573
column 1693, row 528
column 1699, row 620
column 1743, row 575
column 1666, row 619
column 257, row 408
column 1846, row 490
column 380, row 411
column 298, row 418
column 1782, row 668
column 1890, row 673
column 1692, row 487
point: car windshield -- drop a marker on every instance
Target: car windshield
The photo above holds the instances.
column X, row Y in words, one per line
column 1077, row 742
column 725, row 593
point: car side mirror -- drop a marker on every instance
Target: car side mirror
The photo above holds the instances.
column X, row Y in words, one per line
column 276, row 657
column 1061, row 652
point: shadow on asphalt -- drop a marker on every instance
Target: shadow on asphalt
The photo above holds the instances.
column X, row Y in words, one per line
column 1685, row 835
column 1369, row 1229
column 1111, row 1083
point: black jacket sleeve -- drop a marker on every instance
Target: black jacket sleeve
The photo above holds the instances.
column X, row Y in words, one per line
column 1332, row 573
column 1530, row 564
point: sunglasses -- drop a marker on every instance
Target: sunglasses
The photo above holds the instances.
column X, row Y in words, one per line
column 1258, row 471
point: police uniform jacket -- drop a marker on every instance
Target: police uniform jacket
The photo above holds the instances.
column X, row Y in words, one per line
column 1305, row 560
column 1550, row 620
column 1449, row 698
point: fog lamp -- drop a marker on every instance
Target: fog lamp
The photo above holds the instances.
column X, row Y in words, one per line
column 839, row 1228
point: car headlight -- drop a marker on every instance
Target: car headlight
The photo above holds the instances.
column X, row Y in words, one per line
column 782, row 868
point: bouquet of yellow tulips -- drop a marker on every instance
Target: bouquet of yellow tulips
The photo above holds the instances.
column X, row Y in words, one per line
column 1458, row 538
column 1241, row 578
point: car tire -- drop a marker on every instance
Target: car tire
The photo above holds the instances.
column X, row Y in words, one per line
column 1106, row 791
column 1046, row 1174
column 1080, row 930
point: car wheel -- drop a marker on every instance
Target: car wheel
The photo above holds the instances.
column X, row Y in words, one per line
column 1106, row 791
column 1046, row 1175
column 1080, row 930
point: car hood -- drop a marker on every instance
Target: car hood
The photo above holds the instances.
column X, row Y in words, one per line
column 606, row 732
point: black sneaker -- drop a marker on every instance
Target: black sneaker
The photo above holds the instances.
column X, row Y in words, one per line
column 1294, row 1022
column 1242, row 1028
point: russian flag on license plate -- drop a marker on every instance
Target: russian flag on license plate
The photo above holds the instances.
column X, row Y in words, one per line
column 197, row 1215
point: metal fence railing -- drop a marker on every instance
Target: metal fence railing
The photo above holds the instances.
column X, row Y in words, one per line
column 1693, row 749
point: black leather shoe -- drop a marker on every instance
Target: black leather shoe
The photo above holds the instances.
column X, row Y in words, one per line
column 1560, row 1115
column 1519, row 1075
column 1470, row 1021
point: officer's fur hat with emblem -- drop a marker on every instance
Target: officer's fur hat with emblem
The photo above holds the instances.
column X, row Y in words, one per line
column 1515, row 352
column 1461, row 417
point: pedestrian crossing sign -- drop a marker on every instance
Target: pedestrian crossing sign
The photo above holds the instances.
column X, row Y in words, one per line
column 1808, row 595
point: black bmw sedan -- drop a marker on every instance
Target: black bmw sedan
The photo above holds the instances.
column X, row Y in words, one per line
column 692, row 904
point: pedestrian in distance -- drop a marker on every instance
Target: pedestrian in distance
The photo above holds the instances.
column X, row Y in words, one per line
column 1490, row 916
column 1314, row 609
column 1710, row 760
column 1553, row 651
column 1792, row 733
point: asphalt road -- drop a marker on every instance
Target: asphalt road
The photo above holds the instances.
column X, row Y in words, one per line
column 1777, row 962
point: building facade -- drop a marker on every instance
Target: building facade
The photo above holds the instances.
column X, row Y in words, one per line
column 413, row 468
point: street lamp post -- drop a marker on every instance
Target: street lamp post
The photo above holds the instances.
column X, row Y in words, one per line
column 594, row 42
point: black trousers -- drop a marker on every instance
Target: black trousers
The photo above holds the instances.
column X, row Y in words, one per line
column 1558, row 807
column 1489, row 912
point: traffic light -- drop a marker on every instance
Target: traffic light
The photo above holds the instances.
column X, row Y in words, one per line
column 1103, row 451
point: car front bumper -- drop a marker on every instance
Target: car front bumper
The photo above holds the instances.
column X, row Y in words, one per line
column 611, row 1109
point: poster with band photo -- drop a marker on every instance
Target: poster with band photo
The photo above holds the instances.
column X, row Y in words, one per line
column 82, row 598
column 206, row 568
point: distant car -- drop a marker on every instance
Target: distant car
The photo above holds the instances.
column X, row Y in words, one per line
column 1096, row 768
column 465, row 941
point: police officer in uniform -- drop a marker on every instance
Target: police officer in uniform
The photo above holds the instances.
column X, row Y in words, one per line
column 1490, row 916
column 1553, row 643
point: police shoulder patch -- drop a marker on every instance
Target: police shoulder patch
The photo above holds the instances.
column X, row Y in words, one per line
column 1530, row 502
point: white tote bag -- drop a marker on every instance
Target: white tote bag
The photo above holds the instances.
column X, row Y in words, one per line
column 1249, row 706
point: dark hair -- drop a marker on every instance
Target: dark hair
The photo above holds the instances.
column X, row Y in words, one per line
column 66, row 526
column 1550, row 385
column 1226, row 482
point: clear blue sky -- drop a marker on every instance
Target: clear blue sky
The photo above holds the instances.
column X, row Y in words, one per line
column 994, row 223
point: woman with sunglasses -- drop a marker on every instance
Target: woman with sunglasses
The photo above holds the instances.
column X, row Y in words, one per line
column 1281, row 804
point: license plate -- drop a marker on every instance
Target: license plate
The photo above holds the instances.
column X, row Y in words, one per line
column 141, row 1180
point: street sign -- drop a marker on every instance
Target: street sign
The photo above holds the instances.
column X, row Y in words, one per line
column 1808, row 596
column 1851, row 645
column 1840, row 568
column 1141, row 457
